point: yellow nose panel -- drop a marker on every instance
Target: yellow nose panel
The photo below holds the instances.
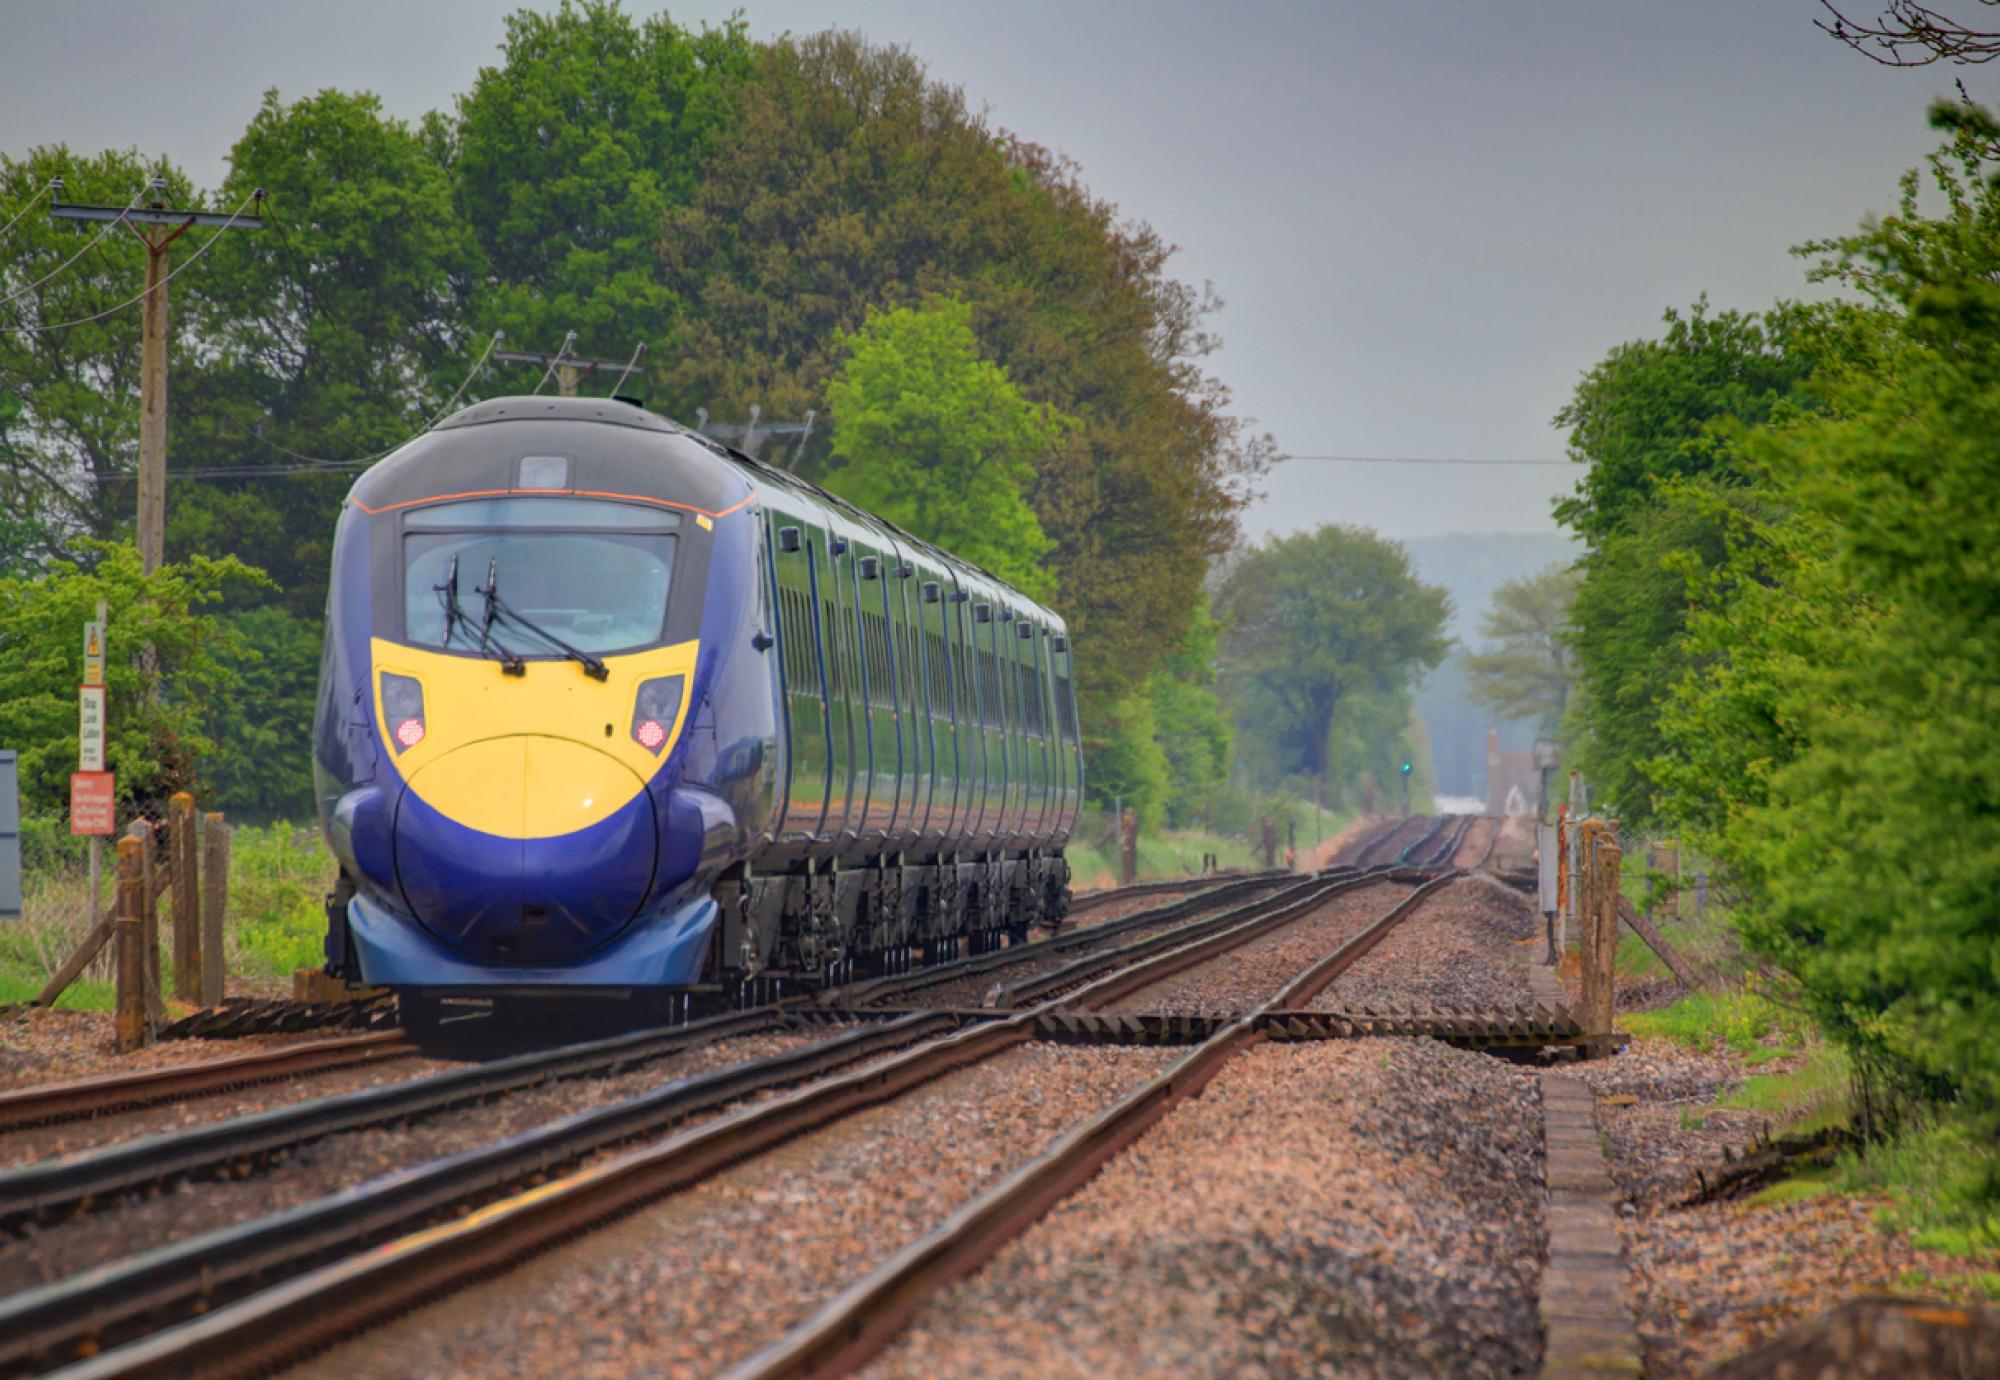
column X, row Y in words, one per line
column 526, row 787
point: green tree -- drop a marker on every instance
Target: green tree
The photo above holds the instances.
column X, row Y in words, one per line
column 1656, row 422
column 1317, row 623
column 331, row 335
column 846, row 180
column 1190, row 725
column 1835, row 746
column 937, row 440
column 567, row 156
column 1526, row 671
column 261, row 768
column 66, row 472
column 159, row 715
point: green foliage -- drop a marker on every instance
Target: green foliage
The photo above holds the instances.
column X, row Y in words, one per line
column 940, row 442
column 334, row 333
column 278, row 880
column 1659, row 424
column 567, row 156
column 1527, row 670
column 74, row 391
column 1738, row 1020
column 262, row 766
column 1128, row 764
column 847, row 181
column 1324, row 623
column 1648, row 412
column 1938, row 1174
column 1190, row 726
column 1837, row 750
column 158, row 717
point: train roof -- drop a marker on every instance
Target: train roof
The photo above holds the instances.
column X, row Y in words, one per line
column 460, row 456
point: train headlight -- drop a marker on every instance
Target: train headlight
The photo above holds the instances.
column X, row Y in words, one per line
column 653, row 716
column 403, row 708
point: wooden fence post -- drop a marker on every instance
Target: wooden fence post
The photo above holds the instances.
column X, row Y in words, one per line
column 149, row 912
column 184, row 850
column 1607, row 944
column 1588, row 935
column 215, row 898
column 130, row 928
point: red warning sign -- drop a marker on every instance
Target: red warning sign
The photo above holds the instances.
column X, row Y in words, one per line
column 93, row 802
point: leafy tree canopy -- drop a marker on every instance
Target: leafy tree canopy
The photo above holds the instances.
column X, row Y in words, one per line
column 939, row 441
column 1315, row 620
column 159, row 715
column 1526, row 671
column 1646, row 413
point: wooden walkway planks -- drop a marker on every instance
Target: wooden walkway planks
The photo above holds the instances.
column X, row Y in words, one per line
column 1586, row 1316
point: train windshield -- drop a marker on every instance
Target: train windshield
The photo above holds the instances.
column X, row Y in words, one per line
column 593, row 573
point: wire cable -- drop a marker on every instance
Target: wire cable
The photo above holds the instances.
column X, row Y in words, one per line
column 1417, row 460
column 313, row 463
column 568, row 341
column 89, row 245
column 192, row 260
column 630, row 365
column 47, row 187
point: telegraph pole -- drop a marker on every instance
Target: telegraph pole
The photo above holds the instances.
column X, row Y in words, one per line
column 570, row 370
column 157, row 225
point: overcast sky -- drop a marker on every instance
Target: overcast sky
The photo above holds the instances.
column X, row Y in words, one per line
column 1426, row 218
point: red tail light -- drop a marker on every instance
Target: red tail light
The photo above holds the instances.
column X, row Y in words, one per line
column 659, row 703
column 403, row 708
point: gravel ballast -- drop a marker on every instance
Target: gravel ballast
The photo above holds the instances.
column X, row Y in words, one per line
column 1337, row 1208
column 690, row 1285
column 1463, row 946
column 336, row 1162
column 1243, row 978
column 64, row 1138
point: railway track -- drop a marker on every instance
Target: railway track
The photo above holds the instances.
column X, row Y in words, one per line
column 1094, row 900
column 858, row 1322
column 51, row 1103
column 241, row 1298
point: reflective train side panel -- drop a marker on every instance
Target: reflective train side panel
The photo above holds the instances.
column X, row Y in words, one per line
column 603, row 706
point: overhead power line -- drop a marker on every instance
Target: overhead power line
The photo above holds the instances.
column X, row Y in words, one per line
column 47, row 187
column 1420, row 460
column 145, row 292
column 89, row 244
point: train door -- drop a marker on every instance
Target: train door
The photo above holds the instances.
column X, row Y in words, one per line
column 808, row 764
column 836, row 620
column 1068, row 733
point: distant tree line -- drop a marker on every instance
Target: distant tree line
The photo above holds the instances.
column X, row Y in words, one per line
column 805, row 223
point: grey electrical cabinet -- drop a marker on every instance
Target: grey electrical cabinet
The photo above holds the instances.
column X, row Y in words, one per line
column 10, row 834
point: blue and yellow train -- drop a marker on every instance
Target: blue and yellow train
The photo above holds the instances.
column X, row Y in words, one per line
column 608, row 709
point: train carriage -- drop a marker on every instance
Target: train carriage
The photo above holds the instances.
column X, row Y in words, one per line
column 607, row 709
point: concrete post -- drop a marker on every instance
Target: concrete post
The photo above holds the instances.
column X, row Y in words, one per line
column 183, row 847
column 130, row 935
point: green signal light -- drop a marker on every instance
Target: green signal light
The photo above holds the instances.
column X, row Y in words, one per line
column 1406, row 767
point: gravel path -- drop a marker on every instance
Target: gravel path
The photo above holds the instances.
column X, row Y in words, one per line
column 1462, row 947
column 54, row 1046
column 1243, row 978
column 46, row 1142
column 342, row 1161
column 1366, row 1208
column 696, row 1282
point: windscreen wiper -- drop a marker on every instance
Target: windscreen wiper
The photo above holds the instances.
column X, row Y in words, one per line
column 510, row 661
column 593, row 666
